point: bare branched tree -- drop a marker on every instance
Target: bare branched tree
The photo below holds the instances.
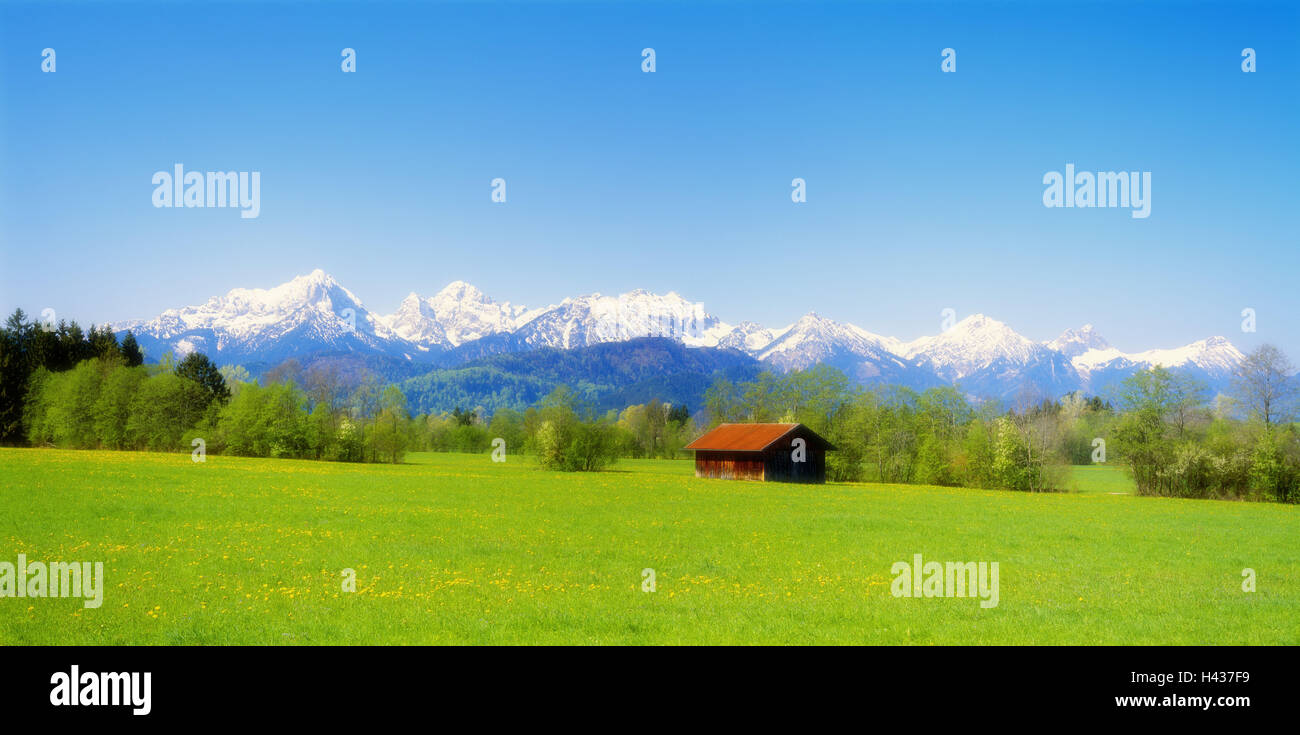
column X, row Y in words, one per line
column 1267, row 386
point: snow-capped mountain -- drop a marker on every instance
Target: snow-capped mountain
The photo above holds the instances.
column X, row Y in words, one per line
column 1075, row 342
column 750, row 337
column 863, row 356
column 971, row 344
column 1213, row 354
column 589, row 320
column 1212, row 360
column 457, row 314
column 416, row 321
column 988, row 358
column 981, row 355
column 307, row 314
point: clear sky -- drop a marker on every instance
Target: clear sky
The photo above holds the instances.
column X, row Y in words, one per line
column 924, row 188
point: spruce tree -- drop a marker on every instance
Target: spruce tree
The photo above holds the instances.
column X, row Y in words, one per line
column 197, row 367
column 131, row 351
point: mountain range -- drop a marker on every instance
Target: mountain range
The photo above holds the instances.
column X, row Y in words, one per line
column 460, row 326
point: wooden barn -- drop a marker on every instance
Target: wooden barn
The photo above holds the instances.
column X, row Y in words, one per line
column 764, row 452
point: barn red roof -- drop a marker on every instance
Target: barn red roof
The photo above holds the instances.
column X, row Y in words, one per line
column 746, row 437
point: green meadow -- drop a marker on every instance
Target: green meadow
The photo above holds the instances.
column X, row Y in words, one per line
column 1101, row 479
column 452, row 548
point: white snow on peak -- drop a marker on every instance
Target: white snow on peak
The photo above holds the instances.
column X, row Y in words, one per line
column 970, row 344
column 314, row 301
column 315, row 311
column 814, row 338
column 457, row 314
column 416, row 321
column 1075, row 342
column 750, row 337
column 1214, row 354
column 595, row 318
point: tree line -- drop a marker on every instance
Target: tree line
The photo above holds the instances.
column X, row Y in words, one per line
column 563, row 431
column 1173, row 436
column 64, row 386
column 67, row 387
column 27, row 345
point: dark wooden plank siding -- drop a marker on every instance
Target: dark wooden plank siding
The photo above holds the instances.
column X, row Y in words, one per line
column 779, row 459
column 729, row 465
column 780, row 466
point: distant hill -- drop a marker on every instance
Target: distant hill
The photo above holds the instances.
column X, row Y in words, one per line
column 605, row 376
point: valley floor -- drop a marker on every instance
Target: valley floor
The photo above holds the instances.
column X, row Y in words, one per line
column 456, row 549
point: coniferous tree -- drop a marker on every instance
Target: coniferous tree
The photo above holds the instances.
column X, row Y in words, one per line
column 197, row 367
column 15, row 369
column 131, row 351
column 102, row 343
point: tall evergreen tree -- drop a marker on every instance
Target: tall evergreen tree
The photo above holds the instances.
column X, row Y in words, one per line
column 15, row 368
column 131, row 351
column 197, row 367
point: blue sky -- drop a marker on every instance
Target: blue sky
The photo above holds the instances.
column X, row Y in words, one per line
column 924, row 188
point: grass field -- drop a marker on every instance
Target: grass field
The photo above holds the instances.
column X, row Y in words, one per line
column 1108, row 479
column 456, row 549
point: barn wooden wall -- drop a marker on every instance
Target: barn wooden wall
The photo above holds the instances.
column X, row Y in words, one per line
column 773, row 466
column 729, row 465
column 780, row 467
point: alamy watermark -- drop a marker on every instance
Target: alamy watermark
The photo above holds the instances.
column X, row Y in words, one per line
column 56, row 579
column 946, row 579
column 92, row 689
column 181, row 188
column 1129, row 189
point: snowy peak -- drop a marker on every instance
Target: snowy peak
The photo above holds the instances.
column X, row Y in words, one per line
column 416, row 321
column 1214, row 355
column 457, row 314
column 1075, row 342
column 981, row 329
column 861, row 355
column 750, row 337
column 466, row 313
column 458, row 291
column 971, row 344
column 245, row 312
column 316, row 290
column 595, row 318
column 813, row 338
column 309, row 311
column 983, row 356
